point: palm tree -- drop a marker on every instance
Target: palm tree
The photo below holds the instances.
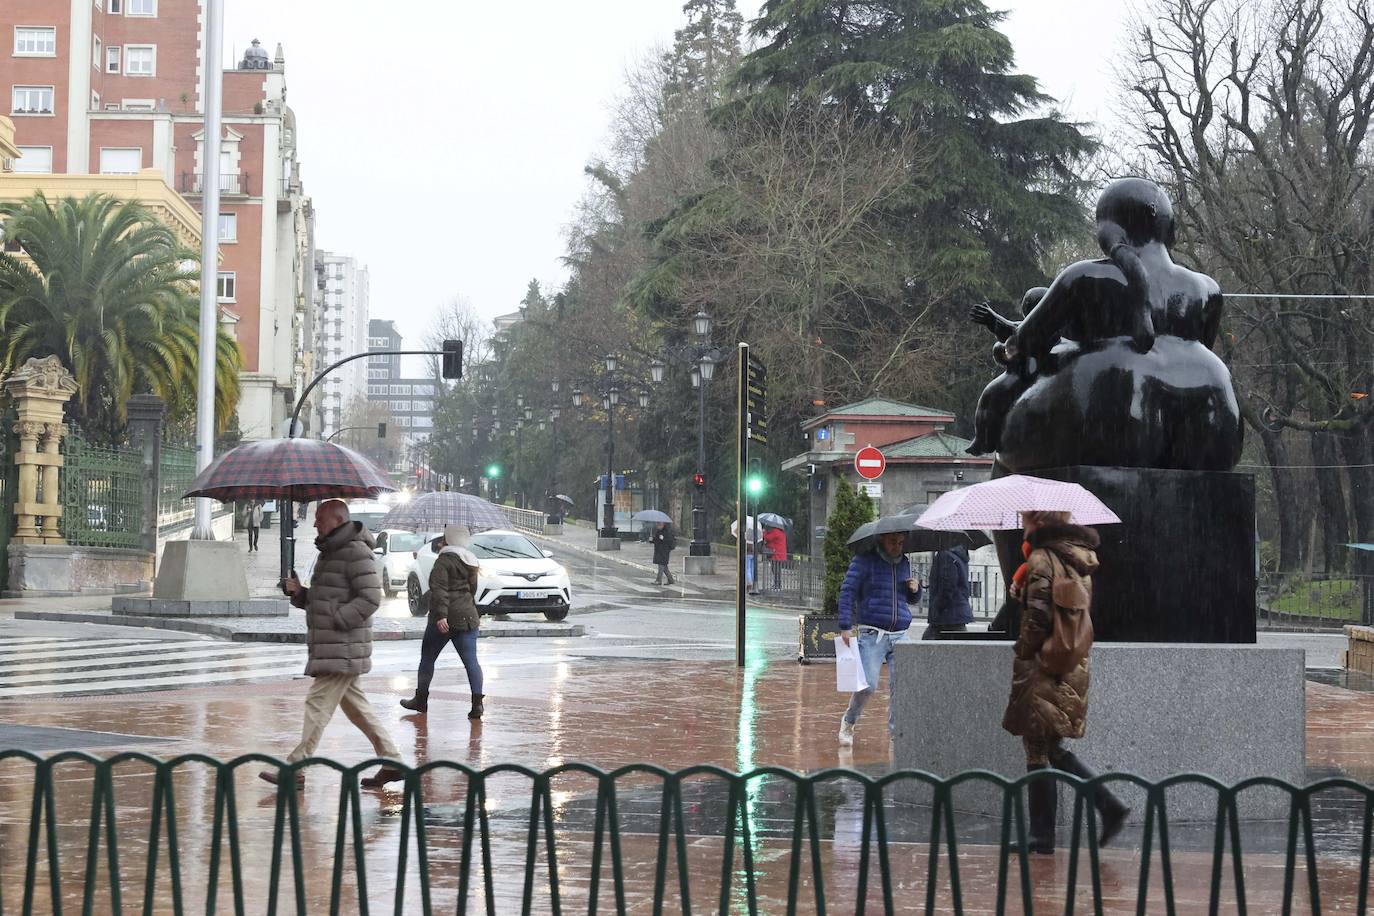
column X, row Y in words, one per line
column 104, row 285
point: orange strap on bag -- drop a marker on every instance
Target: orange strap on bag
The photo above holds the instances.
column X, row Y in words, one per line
column 1071, row 638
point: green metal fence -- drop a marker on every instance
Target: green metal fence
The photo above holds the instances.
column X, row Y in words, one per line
column 102, row 494
column 177, row 471
column 632, row 838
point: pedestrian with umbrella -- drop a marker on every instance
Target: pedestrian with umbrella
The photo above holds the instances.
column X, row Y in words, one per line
column 664, row 540
column 775, row 545
column 950, row 610
column 1050, row 672
column 453, row 618
column 875, row 607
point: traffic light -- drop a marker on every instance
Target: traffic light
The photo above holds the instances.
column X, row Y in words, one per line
column 494, row 470
column 699, row 480
column 753, row 483
column 453, row 359
column 381, row 430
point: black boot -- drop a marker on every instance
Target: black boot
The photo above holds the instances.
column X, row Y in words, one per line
column 1042, row 797
column 419, row 702
column 477, row 707
column 1110, row 809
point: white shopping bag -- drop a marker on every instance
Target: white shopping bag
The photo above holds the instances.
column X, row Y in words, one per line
column 849, row 669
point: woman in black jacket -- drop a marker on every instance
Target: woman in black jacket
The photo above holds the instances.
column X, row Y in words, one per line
column 664, row 540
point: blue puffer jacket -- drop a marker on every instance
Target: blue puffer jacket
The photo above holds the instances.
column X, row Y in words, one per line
column 875, row 594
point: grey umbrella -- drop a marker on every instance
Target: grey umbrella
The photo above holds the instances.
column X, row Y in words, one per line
column 432, row 511
column 918, row 540
column 773, row 520
column 651, row 515
column 564, row 499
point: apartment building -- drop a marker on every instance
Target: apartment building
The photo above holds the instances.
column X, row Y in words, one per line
column 409, row 399
column 341, row 329
column 114, row 87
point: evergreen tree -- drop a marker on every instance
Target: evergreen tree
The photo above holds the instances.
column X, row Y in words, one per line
column 852, row 509
column 1000, row 185
column 705, row 51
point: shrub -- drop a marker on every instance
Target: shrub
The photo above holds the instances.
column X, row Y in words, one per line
column 852, row 509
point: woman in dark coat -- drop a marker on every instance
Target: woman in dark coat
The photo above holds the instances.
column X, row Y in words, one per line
column 664, row 540
column 453, row 618
column 950, row 608
column 1046, row 707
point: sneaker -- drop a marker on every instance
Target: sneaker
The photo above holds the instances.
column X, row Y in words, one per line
column 846, row 733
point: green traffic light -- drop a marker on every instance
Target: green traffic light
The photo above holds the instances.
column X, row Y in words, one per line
column 754, row 485
column 494, row 470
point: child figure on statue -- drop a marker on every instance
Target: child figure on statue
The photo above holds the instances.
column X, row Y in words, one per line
column 1002, row 391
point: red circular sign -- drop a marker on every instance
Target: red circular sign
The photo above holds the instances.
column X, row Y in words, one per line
column 869, row 462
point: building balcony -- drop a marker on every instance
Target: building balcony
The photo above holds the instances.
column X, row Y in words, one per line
column 230, row 183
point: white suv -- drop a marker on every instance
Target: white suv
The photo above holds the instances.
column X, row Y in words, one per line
column 517, row 577
column 396, row 551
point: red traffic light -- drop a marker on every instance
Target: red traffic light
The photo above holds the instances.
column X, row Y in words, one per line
column 699, row 479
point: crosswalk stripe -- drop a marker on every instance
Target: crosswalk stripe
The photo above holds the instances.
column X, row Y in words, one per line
column 53, row 645
column 74, row 662
column 89, row 650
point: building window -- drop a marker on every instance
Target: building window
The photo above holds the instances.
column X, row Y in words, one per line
column 378, row 373
column 400, row 389
column 424, row 389
column 423, row 422
column 112, row 59
column 228, row 227
column 116, row 6
column 32, row 100
column 35, row 42
column 402, row 421
column 95, row 52
column 120, row 161
column 400, row 406
column 138, row 104
column 95, row 100
column 225, row 286
column 422, row 406
column 141, row 8
column 140, row 60
column 34, row 159
column 376, row 389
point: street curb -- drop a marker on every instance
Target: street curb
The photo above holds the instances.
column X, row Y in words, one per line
column 499, row 630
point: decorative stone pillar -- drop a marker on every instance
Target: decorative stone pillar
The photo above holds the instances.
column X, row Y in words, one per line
column 39, row 391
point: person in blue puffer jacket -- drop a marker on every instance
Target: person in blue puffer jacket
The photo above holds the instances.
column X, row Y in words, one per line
column 876, row 599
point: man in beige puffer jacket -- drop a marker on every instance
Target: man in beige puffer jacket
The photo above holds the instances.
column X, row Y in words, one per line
column 344, row 592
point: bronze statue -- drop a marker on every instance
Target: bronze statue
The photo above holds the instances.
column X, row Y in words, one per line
column 1113, row 365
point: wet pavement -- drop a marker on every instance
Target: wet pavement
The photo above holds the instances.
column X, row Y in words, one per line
column 652, row 682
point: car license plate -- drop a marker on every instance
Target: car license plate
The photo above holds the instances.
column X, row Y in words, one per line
column 531, row 594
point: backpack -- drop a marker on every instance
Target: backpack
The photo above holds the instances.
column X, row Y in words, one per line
column 1071, row 637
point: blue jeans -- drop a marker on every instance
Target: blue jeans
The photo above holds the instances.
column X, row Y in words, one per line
column 433, row 644
column 875, row 650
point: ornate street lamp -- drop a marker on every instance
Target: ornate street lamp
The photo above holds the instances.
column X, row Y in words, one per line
column 707, row 367
column 643, row 398
column 611, row 362
column 554, row 385
column 657, row 369
column 519, row 401
column 701, row 323
column 696, row 377
column 614, row 396
column 577, row 397
column 529, row 413
column 606, row 402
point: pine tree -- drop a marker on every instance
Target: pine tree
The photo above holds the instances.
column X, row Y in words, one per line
column 852, row 509
column 705, row 51
column 1001, row 182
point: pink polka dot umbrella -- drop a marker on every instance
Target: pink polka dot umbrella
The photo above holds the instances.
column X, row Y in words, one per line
column 996, row 505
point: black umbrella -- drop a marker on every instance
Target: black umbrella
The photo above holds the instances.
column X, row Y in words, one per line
column 564, row 499
column 918, row 540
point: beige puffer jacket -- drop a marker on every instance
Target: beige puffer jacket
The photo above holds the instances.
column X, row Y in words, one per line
column 344, row 592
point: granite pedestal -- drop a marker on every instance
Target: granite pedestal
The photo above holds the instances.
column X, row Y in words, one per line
column 1154, row 710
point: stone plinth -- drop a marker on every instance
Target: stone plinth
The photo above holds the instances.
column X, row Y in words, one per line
column 56, row 570
column 553, row 529
column 201, row 571
column 1154, row 710
column 1360, row 656
column 607, row 543
column 39, row 390
column 699, row 566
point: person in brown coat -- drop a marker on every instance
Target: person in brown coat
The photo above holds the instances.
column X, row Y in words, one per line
column 453, row 617
column 1047, row 707
column 344, row 592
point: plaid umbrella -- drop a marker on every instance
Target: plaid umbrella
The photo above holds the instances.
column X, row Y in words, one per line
column 302, row 470
column 998, row 504
column 432, row 511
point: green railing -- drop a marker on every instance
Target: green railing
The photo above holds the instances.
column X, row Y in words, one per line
column 102, row 494
column 177, row 471
column 576, row 836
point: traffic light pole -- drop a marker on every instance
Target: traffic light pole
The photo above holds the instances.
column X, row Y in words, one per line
column 740, row 510
column 701, row 543
column 288, row 517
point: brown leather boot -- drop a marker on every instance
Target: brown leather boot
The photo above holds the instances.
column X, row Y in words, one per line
column 477, row 707
column 271, row 776
column 382, row 777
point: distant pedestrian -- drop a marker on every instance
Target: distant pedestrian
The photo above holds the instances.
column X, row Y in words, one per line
column 343, row 595
column 253, row 517
column 453, row 618
column 775, row 547
column 875, row 599
column 950, row 609
column 664, row 540
column 1049, row 679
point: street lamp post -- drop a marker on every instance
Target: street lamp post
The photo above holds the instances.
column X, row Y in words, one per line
column 702, row 357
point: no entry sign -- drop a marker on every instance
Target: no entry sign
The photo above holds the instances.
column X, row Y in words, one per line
column 869, row 462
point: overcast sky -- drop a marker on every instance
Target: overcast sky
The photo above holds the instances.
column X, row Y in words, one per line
column 443, row 142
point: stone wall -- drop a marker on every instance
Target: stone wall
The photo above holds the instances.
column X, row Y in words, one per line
column 55, row 570
column 1360, row 656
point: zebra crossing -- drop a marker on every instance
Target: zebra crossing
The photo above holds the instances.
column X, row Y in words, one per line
column 58, row 666
column 605, row 584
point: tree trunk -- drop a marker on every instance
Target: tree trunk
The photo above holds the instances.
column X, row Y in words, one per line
column 1356, row 446
column 1285, row 500
column 1335, row 524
